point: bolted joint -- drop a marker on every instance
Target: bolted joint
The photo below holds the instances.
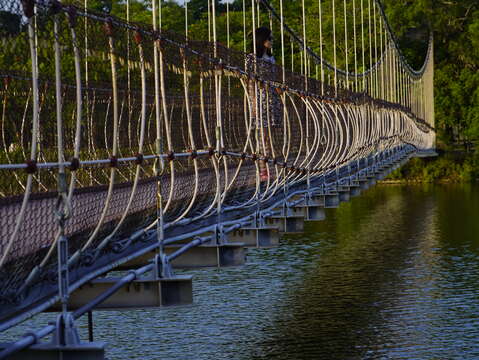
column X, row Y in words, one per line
column 211, row 151
column 243, row 156
column 74, row 164
column 193, row 154
column 65, row 331
column 116, row 246
column 113, row 162
column 31, row 166
column 33, row 335
column 170, row 156
column 163, row 267
column 139, row 159
column 254, row 157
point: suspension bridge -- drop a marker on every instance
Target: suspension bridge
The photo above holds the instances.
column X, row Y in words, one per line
column 128, row 146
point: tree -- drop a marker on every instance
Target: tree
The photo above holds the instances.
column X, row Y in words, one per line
column 455, row 25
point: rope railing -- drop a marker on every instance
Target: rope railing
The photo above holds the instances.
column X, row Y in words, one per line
column 115, row 143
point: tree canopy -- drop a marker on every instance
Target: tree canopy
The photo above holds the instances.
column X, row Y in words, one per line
column 454, row 23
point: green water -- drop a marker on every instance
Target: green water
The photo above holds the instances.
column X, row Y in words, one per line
column 392, row 274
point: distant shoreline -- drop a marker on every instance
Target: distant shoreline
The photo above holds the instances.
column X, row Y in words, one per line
column 421, row 181
column 450, row 167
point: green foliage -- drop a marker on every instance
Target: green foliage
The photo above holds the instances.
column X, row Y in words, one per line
column 9, row 23
column 455, row 25
column 101, row 5
column 449, row 167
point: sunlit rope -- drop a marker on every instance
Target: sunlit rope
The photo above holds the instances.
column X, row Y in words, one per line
column 370, row 76
column 334, row 51
column 190, row 123
column 78, row 124
column 166, row 120
column 346, row 43
column 388, row 118
column 320, row 17
column 376, row 72
column 105, row 241
column 114, row 145
column 159, row 162
column 35, row 129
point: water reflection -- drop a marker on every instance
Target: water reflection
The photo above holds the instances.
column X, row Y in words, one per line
column 387, row 288
column 391, row 275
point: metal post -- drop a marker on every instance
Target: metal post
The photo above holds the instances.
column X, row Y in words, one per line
column 90, row 326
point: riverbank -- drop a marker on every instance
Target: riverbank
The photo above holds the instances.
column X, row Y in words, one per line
column 448, row 167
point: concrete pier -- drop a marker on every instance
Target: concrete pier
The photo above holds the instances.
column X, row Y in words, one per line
column 317, row 200
column 363, row 183
column 139, row 294
column 354, row 190
column 292, row 210
column 372, row 179
column 312, row 212
column 344, row 193
column 286, row 224
column 260, row 237
column 331, row 200
column 207, row 255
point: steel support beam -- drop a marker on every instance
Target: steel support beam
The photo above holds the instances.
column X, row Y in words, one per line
column 142, row 293
column 260, row 237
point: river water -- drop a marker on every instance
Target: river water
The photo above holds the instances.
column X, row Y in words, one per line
column 393, row 274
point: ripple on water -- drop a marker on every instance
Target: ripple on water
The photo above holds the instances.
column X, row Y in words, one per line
column 392, row 274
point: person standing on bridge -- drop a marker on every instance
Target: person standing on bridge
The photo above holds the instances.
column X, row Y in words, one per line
column 265, row 103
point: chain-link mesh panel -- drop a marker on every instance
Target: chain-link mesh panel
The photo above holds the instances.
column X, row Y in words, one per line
column 228, row 129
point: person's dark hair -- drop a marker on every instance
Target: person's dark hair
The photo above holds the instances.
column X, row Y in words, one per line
column 261, row 35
